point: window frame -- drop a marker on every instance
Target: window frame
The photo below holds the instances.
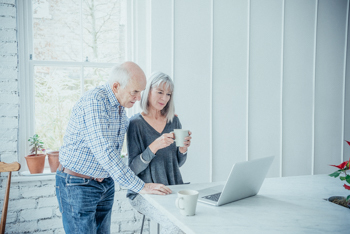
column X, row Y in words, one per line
column 26, row 73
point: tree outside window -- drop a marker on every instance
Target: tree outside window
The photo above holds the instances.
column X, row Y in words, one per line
column 75, row 42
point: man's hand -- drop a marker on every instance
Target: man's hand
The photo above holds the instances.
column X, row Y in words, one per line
column 152, row 188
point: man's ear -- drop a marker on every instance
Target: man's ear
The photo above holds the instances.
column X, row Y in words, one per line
column 116, row 87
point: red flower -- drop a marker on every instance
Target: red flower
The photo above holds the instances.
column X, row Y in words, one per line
column 347, row 187
column 348, row 142
column 342, row 165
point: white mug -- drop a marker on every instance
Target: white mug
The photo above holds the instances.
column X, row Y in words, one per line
column 186, row 202
column 180, row 135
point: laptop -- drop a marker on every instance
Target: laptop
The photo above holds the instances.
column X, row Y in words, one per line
column 244, row 181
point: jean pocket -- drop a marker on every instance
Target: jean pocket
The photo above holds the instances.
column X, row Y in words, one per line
column 59, row 199
column 75, row 181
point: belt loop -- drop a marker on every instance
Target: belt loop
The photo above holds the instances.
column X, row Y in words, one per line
column 60, row 168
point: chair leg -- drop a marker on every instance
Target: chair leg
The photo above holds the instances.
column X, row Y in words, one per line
column 143, row 221
column 6, row 202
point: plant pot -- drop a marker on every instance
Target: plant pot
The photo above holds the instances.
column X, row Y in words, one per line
column 339, row 200
column 36, row 163
column 53, row 157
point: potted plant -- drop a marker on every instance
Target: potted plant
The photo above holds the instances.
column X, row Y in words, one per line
column 36, row 160
column 343, row 176
column 53, row 157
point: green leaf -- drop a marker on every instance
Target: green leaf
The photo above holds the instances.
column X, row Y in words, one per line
column 347, row 178
column 335, row 174
column 342, row 178
column 348, row 198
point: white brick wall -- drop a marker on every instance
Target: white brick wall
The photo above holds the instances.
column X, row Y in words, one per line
column 33, row 207
column 9, row 99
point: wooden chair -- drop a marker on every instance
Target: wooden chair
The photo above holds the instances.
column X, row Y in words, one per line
column 7, row 167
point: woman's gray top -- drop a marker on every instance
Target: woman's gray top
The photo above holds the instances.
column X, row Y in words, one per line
column 164, row 166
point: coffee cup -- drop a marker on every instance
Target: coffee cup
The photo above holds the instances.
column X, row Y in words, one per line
column 186, row 202
column 180, row 136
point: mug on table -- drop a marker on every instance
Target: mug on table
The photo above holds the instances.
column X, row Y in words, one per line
column 186, row 202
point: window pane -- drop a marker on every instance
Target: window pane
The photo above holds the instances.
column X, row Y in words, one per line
column 56, row 30
column 94, row 76
column 57, row 89
column 104, row 30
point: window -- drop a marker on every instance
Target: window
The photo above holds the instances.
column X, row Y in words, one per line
column 67, row 47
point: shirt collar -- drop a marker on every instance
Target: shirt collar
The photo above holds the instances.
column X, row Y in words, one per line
column 112, row 98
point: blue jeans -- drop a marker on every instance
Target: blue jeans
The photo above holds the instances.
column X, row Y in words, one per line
column 85, row 204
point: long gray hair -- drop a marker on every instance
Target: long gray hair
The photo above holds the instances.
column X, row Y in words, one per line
column 157, row 79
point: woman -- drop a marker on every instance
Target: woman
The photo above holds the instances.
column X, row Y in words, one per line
column 153, row 155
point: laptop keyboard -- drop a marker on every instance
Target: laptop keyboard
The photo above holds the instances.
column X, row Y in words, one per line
column 213, row 197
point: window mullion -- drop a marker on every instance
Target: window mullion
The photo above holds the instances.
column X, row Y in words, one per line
column 82, row 79
column 81, row 32
column 25, row 80
column 70, row 64
column 30, row 29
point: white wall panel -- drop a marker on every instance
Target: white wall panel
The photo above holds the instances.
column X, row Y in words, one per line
column 346, row 151
column 271, row 82
column 329, row 83
column 162, row 36
column 230, row 80
column 141, row 35
column 265, row 81
column 298, row 93
column 192, row 82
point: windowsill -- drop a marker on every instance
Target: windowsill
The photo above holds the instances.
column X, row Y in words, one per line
column 26, row 176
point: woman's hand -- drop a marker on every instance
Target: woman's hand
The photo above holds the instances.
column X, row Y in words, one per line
column 187, row 143
column 161, row 142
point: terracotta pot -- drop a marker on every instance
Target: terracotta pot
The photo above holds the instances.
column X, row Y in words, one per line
column 339, row 200
column 53, row 160
column 36, row 163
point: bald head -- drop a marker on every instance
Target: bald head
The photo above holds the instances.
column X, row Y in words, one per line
column 127, row 82
column 125, row 72
column 134, row 70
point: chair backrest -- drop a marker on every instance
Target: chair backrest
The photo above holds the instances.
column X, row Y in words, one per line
column 7, row 167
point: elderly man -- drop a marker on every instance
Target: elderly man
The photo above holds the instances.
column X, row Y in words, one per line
column 90, row 156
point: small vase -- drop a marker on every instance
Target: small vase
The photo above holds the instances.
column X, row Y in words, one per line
column 35, row 163
column 53, row 157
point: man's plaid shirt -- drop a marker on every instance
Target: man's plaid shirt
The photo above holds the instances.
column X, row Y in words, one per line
column 95, row 136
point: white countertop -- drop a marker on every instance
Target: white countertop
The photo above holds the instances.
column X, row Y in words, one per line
column 283, row 205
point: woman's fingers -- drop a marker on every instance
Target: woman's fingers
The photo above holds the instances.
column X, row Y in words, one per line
column 187, row 142
column 168, row 138
column 169, row 135
column 188, row 138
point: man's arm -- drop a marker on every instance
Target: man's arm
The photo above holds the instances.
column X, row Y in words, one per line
column 99, row 140
column 104, row 150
